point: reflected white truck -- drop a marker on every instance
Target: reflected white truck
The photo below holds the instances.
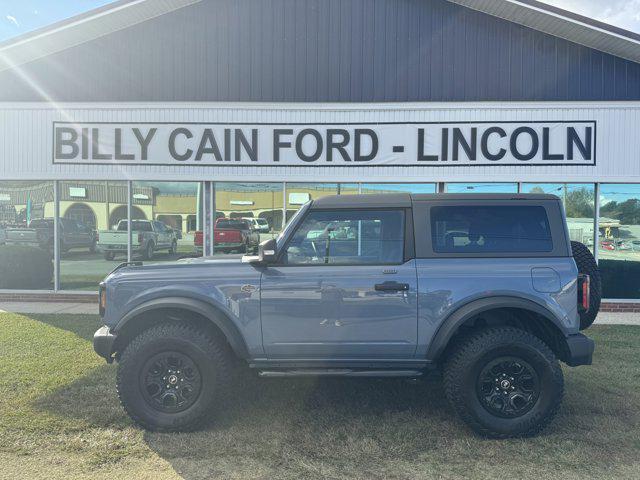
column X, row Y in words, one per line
column 147, row 237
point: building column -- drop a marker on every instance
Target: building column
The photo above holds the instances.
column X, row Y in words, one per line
column 56, row 236
column 185, row 222
column 596, row 222
column 284, row 205
column 129, row 212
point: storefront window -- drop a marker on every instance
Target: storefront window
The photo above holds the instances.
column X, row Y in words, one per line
column 481, row 187
column 171, row 211
column 579, row 205
column 398, row 187
column 89, row 212
column 619, row 241
column 256, row 206
column 300, row 193
column 27, row 211
column 348, row 189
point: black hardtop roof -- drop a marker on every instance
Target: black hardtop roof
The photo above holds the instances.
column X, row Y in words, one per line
column 381, row 200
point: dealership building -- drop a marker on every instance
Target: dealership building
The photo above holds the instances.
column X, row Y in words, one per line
column 182, row 111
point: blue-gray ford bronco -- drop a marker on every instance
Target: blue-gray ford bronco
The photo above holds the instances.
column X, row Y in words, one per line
column 487, row 289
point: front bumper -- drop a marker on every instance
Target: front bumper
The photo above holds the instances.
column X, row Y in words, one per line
column 580, row 350
column 103, row 341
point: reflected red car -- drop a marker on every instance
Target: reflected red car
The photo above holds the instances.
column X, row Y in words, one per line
column 607, row 245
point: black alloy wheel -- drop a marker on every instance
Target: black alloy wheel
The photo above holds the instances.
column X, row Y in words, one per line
column 508, row 387
column 170, row 382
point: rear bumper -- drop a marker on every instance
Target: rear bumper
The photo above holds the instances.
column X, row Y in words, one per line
column 119, row 248
column 228, row 244
column 103, row 341
column 580, row 350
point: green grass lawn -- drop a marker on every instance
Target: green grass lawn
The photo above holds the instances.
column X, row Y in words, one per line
column 60, row 418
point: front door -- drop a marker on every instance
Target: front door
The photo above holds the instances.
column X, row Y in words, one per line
column 343, row 288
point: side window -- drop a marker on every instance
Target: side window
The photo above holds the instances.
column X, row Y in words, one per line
column 159, row 227
column 490, row 229
column 367, row 237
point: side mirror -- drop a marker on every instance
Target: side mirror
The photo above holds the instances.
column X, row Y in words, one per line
column 268, row 251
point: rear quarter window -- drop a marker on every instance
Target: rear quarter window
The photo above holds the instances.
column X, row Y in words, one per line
column 490, row 229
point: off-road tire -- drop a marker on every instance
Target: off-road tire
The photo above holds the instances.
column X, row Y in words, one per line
column 469, row 357
column 211, row 355
column 586, row 263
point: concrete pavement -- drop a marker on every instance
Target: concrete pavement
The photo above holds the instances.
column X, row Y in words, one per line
column 618, row 318
column 604, row 318
column 49, row 307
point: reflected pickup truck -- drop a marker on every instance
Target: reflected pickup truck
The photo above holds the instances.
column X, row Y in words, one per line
column 486, row 289
column 39, row 233
column 147, row 237
column 231, row 234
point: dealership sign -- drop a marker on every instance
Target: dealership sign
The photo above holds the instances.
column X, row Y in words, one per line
column 362, row 144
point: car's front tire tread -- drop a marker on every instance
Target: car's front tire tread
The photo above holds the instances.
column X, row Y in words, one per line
column 215, row 350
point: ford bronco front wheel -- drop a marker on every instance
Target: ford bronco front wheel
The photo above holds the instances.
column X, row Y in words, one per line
column 170, row 376
column 504, row 382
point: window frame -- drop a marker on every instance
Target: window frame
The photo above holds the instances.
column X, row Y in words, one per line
column 424, row 244
column 408, row 251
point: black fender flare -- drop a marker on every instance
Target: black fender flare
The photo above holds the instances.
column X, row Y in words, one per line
column 448, row 328
column 210, row 312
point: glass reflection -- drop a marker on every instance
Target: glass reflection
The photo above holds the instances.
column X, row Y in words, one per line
column 619, row 240
column 481, row 188
column 27, row 235
column 579, row 205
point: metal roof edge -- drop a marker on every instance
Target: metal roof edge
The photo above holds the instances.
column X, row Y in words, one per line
column 83, row 28
column 563, row 24
column 125, row 13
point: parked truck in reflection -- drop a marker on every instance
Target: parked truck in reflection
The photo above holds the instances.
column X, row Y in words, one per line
column 231, row 235
column 39, row 233
column 147, row 238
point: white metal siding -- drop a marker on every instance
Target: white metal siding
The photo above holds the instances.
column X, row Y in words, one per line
column 26, row 140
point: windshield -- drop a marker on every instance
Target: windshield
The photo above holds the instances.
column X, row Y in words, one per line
column 288, row 227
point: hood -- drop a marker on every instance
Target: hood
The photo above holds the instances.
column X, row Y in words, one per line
column 165, row 268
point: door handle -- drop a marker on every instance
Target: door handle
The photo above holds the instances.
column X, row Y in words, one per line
column 391, row 287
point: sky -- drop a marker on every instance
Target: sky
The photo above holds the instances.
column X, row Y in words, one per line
column 21, row 16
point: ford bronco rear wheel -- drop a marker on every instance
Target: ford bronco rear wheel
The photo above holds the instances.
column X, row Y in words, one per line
column 504, row 382
column 171, row 375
